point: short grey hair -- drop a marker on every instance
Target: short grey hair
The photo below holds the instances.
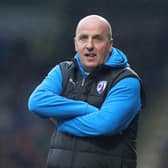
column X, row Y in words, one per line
column 100, row 18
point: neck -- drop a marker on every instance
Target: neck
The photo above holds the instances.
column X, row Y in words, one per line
column 89, row 69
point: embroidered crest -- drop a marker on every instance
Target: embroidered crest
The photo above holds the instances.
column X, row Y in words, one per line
column 101, row 86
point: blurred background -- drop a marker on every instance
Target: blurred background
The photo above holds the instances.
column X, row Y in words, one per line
column 35, row 35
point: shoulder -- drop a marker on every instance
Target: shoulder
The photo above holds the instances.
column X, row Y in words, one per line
column 60, row 68
column 65, row 65
column 118, row 75
column 127, row 72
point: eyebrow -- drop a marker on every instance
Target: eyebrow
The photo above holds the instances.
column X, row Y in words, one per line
column 94, row 36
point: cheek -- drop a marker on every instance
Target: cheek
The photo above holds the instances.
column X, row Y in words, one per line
column 104, row 54
column 104, row 51
column 78, row 48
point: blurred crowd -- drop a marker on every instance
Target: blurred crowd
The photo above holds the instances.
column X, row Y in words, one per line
column 27, row 55
column 24, row 138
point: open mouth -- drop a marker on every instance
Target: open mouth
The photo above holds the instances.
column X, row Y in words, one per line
column 90, row 54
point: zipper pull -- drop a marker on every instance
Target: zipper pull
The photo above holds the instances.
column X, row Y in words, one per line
column 71, row 81
column 83, row 82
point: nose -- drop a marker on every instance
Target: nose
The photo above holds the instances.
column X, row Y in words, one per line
column 90, row 45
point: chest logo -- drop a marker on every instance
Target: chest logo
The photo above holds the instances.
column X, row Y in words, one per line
column 101, row 86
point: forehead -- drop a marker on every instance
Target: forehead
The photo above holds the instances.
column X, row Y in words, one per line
column 92, row 26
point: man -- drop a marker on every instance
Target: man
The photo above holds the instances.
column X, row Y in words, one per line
column 95, row 100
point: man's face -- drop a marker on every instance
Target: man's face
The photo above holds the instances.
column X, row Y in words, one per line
column 92, row 43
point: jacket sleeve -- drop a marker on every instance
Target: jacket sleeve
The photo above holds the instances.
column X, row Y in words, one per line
column 46, row 101
column 121, row 105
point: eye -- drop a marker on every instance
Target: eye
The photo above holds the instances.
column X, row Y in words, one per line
column 98, row 38
column 82, row 37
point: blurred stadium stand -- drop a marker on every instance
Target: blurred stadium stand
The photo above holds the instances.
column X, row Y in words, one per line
column 35, row 35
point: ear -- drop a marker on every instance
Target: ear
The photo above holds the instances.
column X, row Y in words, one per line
column 111, row 45
column 75, row 44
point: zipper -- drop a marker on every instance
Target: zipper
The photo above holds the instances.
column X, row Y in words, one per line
column 74, row 152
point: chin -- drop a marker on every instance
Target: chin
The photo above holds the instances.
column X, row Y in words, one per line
column 90, row 68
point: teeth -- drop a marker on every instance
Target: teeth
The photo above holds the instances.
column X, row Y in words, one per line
column 91, row 55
